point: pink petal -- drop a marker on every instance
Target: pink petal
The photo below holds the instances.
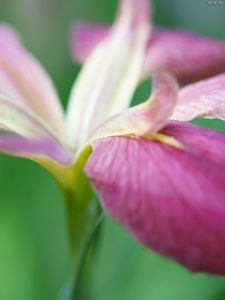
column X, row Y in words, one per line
column 42, row 148
column 189, row 57
column 146, row 118
column 23, row 133
column 22, row 77
column 171, row 200
column 205, row 98
column 162, row 101
column 85, row 37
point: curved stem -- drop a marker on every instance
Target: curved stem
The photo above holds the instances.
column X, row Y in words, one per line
column 78, row 293
column 83, row 223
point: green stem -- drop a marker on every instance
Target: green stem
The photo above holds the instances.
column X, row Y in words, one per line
column 80, row 219
column 83, row 218
column 80, row 290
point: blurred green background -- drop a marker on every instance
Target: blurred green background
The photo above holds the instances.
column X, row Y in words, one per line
column 34, row 248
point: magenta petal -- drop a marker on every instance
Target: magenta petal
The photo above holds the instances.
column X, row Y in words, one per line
column 189, row 57
column 42, row 148
column 171, row 200
column 85, row 37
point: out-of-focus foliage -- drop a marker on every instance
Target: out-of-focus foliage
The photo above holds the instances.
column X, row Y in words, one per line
column 34, row 248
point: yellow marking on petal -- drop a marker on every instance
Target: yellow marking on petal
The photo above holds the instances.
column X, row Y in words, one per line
column 166, row 139
column 160, row 137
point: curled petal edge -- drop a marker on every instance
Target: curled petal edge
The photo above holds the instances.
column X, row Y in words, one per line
column 205, row 99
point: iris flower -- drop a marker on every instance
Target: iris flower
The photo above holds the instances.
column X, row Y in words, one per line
column 160, row 177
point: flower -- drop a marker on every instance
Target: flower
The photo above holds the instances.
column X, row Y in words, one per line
column 189, row 57
column 32, row 121
column 162, row 178
column 184, row 163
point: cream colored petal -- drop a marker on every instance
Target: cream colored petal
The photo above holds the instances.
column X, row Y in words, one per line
column 22, row 76
column 16, row 118
column 110, row 75
column 24, row 134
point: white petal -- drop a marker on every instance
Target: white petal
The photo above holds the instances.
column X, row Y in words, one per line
column 109, row 77
column 23, row 78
